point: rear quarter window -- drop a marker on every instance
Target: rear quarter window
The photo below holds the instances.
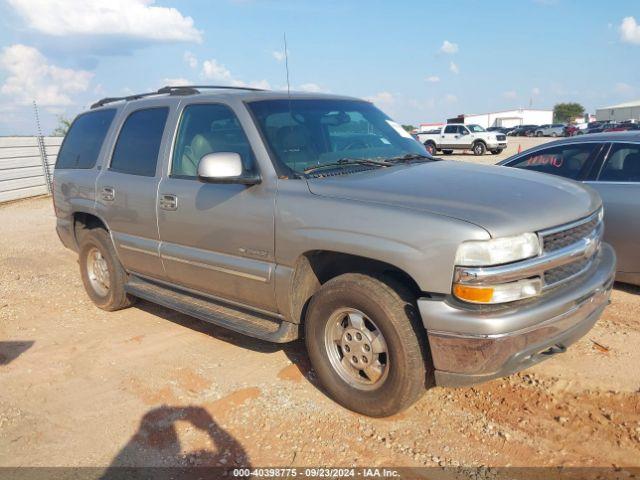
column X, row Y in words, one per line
column 82, row 144
column 568, row 161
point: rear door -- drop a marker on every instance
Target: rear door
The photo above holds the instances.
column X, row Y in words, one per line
column 217, row 239
column 449, row 137
column 618, row 183
column 127, row 187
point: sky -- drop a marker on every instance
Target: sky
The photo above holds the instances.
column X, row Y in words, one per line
column 418, row 61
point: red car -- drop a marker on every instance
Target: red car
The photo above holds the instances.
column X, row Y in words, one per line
column 623, row 127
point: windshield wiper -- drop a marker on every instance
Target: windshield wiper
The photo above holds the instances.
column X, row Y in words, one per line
column 348, row 161
column 412, row 156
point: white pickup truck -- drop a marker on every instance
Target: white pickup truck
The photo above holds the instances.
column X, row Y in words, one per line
column 456, row 136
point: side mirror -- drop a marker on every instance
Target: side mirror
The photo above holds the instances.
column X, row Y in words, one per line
column 224, row 167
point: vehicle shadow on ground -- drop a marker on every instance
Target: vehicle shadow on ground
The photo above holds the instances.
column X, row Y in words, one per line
column 156, row 444
column 295, row 351
column 9, row 351
column 627, row 287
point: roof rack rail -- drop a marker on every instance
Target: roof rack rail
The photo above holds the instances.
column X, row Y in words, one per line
column 136, row 96
column 177, row 90
column 194, row 88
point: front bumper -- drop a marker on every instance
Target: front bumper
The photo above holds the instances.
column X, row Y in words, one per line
column 470, row 345
column 496, row 145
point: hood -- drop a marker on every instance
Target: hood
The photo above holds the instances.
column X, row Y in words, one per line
column 502, row 200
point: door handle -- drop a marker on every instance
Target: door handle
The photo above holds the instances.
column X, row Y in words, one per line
column 108, row 194
column 168, row 202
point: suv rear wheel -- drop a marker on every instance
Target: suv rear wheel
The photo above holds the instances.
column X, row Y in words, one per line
column 102, row 275
column 431, row 148
column 366, row 344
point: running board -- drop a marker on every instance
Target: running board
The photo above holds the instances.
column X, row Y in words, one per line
column 239, row 320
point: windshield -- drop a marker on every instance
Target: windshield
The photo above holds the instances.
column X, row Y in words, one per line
column 303, row 134
column 475, row 128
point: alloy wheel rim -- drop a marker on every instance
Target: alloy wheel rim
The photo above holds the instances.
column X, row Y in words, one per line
column 98, row 272
column 356, row 348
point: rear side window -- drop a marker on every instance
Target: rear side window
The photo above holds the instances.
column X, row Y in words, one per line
column 622, row 164
column 84, row 140
column 567, row 161
column 451, row 129
column 138, row 145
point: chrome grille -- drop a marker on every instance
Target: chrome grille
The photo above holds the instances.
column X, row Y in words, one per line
column 564, row 238
column 558, row 238
column 558, row 274
column 501, row 138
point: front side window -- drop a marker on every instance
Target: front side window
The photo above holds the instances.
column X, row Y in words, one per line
column 622, row 164
column 82, row 144
column 136, row 151
column 208, row 128
column 568, row 161
column 308, row 133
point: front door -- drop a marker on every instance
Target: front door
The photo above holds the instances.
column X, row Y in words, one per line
column 217, row 239
column 127, row 187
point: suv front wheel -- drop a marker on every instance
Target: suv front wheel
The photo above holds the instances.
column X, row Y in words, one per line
column 479, row 148
column 102, row 274
column 365, row 342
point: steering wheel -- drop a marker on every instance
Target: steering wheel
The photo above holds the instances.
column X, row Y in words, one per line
column 356, row 144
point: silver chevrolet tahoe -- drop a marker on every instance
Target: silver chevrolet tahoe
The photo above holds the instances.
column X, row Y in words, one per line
column 283, row 216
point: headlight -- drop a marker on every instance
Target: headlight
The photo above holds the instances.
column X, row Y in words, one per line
column 480, row 253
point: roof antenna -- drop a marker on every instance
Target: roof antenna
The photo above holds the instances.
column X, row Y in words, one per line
column 286, row 66
column 286, row 62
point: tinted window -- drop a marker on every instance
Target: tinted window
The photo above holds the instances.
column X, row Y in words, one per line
column 451, row 129
column 305, row 134
column 207, row 129
column 622, row 164
column 138, row 144
column 567, row 160
column 84, row 140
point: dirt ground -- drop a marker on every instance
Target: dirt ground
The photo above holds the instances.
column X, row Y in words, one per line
column 148, row 386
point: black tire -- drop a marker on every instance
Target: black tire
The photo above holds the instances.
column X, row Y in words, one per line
column 538, row 134
column 431, row 148
column 447, row 152
column 393, row 312
column 554, row 134
column 496, row 151
column 115, row 297
column 479, row 148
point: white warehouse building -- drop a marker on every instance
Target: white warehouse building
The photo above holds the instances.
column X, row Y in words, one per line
column 506, row 118
column 620, row 112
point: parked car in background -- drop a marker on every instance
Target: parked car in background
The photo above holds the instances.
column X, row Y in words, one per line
column 550, row 130
column 571, row 130
column 524, row 131
column 610, row 163
column 622, row 127
column 503, row 130
column 457, row 136
column 594, row 127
